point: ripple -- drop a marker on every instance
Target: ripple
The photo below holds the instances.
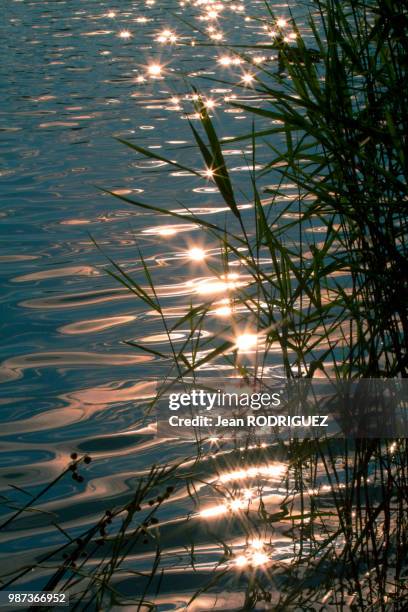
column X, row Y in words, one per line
column 173, row 337
column 13, row 368
column 16, row 258
column 76, row 222
column 95, row 325
column 57, row 273
column 150, row 164
column 213, row 284
column 169, row 230
column 205, row 190
column 75, row 300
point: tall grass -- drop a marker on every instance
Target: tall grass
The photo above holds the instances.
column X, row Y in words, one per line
column 336, row 307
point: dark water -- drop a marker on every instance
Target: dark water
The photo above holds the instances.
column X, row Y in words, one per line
column 70, row 86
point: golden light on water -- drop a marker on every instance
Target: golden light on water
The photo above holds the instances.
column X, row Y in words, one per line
column 217, row 36
column 215, row 286
column 214, row 511
column 111, row 14
column 247, row 78
column 259, row 558
column 256, row 553
column 167, row 36
column 125, row 34
column 254, row 556
column 196, row 254
column 241, row 561
column 222, row 284
column 281, row 23
column 245, row 342
column 166, row 231
column 211, row 15
column 271, row 470
column 155, row 70
column 209, row 173
column 247, row 494
column 223, row 311
column 209, row 103
column 235, row 505
column 225, row 60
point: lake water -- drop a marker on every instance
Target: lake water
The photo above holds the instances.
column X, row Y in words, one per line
column 75, row 77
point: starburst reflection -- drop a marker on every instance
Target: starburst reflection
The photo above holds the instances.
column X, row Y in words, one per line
column 167, row 36
column 254, row 556
column 209, row 173
column 272, row 470
column 196, row 254
column 209, row 103
column 155, row 70
column 247, row 78
column 235, row 505
column 225, row 60
column 259, row 558
column 246, row 342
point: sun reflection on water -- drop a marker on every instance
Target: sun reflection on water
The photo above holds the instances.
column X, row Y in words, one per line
column 245, row 342
column 155, row 70
column 196, row 254
column 272, row 470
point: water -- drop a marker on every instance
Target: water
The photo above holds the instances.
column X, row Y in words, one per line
column 72, row 83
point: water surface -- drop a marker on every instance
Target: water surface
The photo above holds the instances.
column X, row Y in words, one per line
column 75, row 77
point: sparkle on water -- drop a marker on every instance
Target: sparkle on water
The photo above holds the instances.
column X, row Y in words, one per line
column 167, row 231
column 125, row 34
column 155, row 70
column 246, row 341
column 223, row 311
column 148, row 114
column 196, row 254
column 218, row 285
column 209, row 173
column 247, row 78
column 167, row 36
